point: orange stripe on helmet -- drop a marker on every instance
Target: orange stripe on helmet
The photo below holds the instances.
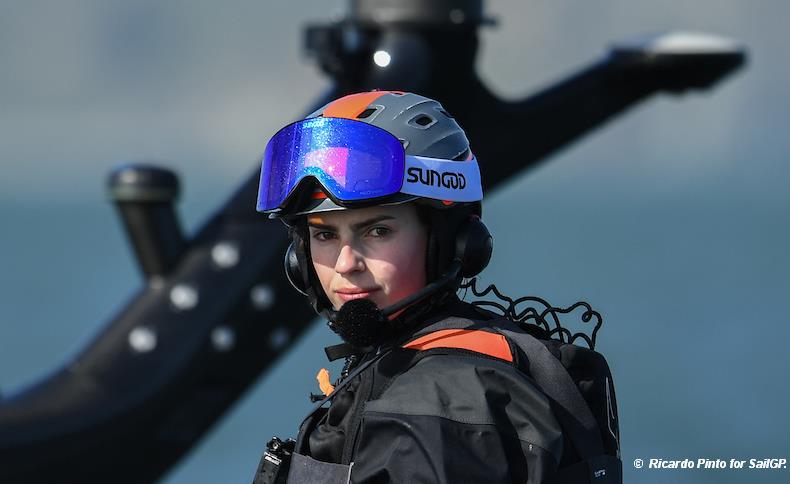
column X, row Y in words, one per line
column 352, row 105
column 491, row 344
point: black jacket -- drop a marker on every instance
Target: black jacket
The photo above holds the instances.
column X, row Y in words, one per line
column 439, row 415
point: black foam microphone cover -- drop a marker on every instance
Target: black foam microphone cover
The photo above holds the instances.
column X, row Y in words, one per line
column 360, row 322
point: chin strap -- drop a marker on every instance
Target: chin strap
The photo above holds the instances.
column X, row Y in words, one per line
column 344, row 350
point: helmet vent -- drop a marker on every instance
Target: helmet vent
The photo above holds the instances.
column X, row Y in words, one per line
column 445, row 113
column 422, row 121
column 366, row 113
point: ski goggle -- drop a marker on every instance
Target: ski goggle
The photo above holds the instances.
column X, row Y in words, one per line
column 355, row 161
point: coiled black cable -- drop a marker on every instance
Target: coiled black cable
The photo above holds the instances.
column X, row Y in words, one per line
column 537, row 316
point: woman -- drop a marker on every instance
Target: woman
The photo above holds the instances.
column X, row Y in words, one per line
column 381, row 194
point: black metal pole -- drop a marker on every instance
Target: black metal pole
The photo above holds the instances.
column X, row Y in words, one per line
column 144, row 195
column 184, row 349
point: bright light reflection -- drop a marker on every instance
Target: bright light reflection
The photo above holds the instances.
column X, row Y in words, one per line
column 382, row 58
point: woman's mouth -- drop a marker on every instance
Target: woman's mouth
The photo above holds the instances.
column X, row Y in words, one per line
column 355, row 294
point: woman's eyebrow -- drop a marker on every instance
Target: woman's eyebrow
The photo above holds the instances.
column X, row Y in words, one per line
column 319, row 225
column 365, row 223
column 355, row 227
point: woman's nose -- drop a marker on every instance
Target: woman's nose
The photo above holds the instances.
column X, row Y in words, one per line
column 348, row 260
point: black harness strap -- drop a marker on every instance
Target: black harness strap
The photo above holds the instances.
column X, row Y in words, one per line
column 571, row 409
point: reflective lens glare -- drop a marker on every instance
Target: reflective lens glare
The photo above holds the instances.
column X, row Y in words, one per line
column 351, row 159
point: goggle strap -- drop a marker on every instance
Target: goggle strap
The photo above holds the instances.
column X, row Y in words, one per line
column 456, row 181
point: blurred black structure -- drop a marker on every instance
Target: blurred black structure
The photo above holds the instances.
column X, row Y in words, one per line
column 216, row 310
column 144, row 195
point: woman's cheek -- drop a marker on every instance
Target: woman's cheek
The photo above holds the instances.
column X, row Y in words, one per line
column 325, row 274
column 401, row 279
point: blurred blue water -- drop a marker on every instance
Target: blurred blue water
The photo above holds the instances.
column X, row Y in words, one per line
column 672, row 221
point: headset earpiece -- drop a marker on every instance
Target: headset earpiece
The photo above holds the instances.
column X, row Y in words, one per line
column 473, row 246
column 293, row 268
column 457, row 235
column 299, row 269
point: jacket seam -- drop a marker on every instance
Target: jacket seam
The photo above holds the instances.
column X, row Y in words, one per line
column 442, row 351
column 461, row 352
column 451, row 419
column 350, row 448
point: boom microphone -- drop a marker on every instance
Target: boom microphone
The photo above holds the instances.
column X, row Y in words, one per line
column 361, row 323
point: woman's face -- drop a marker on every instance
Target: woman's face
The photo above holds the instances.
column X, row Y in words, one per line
column 376, row 253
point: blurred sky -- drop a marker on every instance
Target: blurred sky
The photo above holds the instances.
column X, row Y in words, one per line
column 672, row 220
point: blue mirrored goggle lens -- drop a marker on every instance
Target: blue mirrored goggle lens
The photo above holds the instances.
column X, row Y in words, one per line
column 352, row 160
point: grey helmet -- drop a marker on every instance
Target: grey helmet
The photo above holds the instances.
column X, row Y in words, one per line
column 425, row 129
column 421, row 124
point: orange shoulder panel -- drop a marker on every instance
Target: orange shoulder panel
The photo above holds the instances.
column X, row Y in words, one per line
column 350, row 106
column 491, row 344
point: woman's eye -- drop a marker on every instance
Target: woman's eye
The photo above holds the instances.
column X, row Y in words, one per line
column 379, row 231
column 323, row 235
